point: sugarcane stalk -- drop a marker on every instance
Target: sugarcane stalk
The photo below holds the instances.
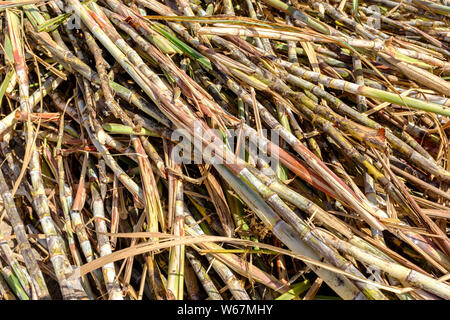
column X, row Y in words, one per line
column 175, row 279
column 21, row 275
column 203, row 276
column 13, row 283
column 58, row 258
column 109, row 273
column 363, row 90
column 286, row 233
column 306, row 234
column 411, row 277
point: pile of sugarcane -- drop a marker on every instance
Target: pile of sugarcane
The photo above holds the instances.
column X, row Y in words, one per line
column 225, row 150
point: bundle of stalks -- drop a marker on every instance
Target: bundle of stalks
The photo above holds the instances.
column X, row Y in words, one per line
column 247, row 150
